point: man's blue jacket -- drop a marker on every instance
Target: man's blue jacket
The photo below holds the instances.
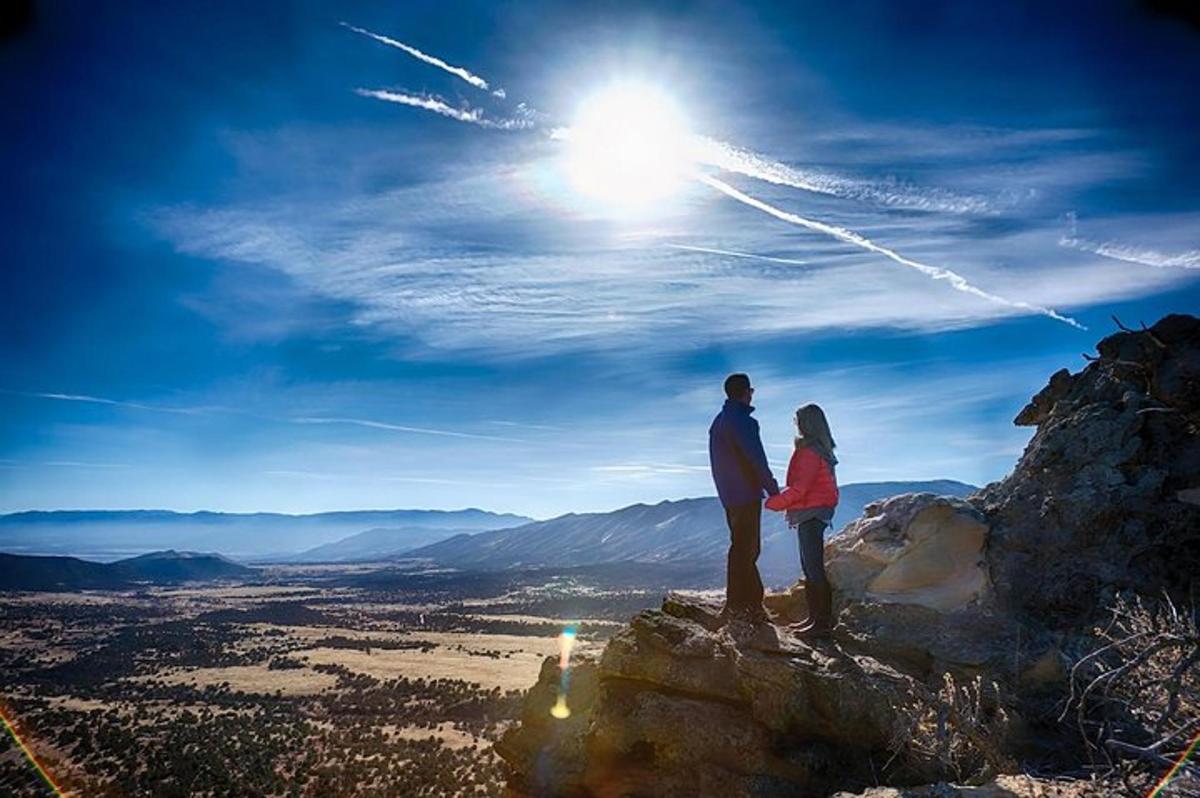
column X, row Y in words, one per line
column 739, row 464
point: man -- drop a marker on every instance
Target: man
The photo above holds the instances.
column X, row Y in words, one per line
column 741, row 473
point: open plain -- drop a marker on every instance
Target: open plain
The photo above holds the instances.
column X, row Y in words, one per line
column 303, row 682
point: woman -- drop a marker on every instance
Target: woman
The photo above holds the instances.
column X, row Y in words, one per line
column 810, row 499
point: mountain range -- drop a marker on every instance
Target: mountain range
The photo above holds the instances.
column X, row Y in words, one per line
column 113, row 534
column 685, row 530
column 18, row 572
column 670, row 531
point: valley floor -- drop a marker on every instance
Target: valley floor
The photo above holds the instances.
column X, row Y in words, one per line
column 310, row 681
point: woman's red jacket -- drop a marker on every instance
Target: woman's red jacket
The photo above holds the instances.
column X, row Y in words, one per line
column 810, row 483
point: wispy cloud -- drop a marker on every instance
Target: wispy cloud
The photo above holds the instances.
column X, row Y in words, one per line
column 78, row 464
column 957, row 281
column 439, row 106
column 14, row 464
column 459, row 72
column 524, row 425
column 383, row 425
column 99, row 400
column 301, row 420
column 732, row 254
column 1131, row 254
column 895, row 195
column 384, row 260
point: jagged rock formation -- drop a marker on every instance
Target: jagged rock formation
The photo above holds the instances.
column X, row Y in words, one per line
column 938, row 600
column 1103, row 498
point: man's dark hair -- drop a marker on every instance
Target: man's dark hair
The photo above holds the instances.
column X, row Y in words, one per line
column 736, row 385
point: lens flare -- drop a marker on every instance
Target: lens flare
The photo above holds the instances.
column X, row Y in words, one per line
column 560, row 709
column 1170, row 774
column 10, row 725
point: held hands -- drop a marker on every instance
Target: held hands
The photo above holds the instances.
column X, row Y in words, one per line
column 780, row 501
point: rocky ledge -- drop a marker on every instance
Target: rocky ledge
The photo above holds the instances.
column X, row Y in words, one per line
column 957, row 623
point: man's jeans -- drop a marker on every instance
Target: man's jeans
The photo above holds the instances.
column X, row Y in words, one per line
column 812, row 550
column 743, row 586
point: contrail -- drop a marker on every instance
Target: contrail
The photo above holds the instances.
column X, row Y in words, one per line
column 1146, row 257
column 733, row 254
column 458, row 72
column 848, row 236
column 733, row 159
column 729, row 158
column 99, row 400
column 360, row 422
column 472, row 116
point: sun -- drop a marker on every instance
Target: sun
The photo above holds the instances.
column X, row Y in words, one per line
column 628, row 147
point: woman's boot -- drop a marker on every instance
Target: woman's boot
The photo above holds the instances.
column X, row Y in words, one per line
column 820, row 610
column 803, row 626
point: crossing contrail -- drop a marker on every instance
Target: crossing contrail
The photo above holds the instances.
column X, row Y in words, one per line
column 956, row 280
column 457, row 71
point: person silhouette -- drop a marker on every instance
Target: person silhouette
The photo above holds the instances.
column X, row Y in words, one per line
column 810, row 499
column 741, row 474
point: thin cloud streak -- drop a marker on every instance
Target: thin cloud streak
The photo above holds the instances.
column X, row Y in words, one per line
column 1146, row 257
column 472, row 116
column 733, row 254
column 956, row 280
column 729, row 158
column 362, row 422
column 99, row 400
column 304, row 420
column 457, row 71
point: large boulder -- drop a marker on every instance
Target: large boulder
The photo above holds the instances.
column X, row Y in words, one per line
column 912, row 588
column 916, row 549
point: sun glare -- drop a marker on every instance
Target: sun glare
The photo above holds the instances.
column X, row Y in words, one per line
column 628, row 147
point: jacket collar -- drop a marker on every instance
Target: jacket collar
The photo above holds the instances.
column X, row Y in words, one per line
column 734, row 404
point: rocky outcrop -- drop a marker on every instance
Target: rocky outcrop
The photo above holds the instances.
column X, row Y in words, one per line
column 953, row 619
column 1099, row 502
column 686, row 708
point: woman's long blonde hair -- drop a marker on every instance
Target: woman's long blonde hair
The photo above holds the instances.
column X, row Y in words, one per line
column 813, row 431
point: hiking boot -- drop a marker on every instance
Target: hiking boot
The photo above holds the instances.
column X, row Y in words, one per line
column 820, row 612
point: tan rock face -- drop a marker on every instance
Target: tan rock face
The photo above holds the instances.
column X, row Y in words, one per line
column 916, row 549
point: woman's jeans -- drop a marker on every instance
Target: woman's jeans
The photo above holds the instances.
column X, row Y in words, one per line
column 812, row 550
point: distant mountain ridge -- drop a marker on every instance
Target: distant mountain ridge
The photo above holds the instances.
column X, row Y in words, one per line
column 112, row 534
column 375, row 544
column 19, row 572
column 670, row 531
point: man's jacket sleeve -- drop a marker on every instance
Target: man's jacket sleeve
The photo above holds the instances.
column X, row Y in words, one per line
column 748, row 440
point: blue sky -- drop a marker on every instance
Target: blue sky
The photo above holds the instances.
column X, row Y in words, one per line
column 231, row 282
